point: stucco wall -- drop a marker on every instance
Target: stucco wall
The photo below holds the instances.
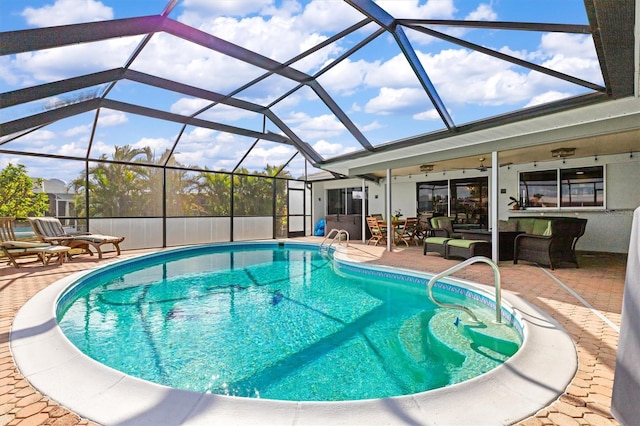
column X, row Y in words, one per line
column 607, row 230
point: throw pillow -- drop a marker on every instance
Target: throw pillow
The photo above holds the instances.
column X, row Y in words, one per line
column 507, row 226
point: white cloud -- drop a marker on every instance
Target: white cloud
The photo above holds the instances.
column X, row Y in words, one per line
column 74, row 60
column 278, row 36
column 428, row 115
column 374, row 125
column 228, row 114
column 567, row 45
column 5, row 160
column 442, row 9
column 199, row 134
column 196, row 11
column 42, row 141
column 64, row 12
column 207, row 148
column 187, row 106
column 7, row 71
column 483, row 12
column 110, row 118
column 327, row 16
column 347, row 76
column 274, row 155
column 157, row 145
column 313, row 128
column 284, row 29
column 78, row 130
column 99, row 148
column 465, row 77
column 572, row 54
column 549, row 96
column 396, row 73
column 73, row 149
column 394, row 100
column 327, row 149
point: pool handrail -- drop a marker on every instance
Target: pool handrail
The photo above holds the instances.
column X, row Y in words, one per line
column 338, row 233
column 464, row 264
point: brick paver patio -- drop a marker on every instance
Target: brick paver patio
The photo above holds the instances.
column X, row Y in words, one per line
column 562, row 293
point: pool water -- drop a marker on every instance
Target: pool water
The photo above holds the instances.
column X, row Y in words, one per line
column 274, row 323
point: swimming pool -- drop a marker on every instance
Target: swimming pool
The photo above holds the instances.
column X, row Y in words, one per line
column 281, row 323
column 536, row 375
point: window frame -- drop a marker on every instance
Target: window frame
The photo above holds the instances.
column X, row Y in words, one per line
column 348, row 204
column 600, row 187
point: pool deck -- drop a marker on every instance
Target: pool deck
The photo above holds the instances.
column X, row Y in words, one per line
column 587, row 302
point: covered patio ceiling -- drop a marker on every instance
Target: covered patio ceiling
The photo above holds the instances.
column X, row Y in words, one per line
column 220, row 81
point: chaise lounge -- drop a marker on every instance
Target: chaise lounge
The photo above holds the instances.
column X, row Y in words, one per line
column 12, row 248
column 49, row 230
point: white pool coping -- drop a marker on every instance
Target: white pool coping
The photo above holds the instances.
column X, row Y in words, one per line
column 529, row 381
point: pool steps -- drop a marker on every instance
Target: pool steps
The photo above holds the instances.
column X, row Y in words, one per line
column 459, row 266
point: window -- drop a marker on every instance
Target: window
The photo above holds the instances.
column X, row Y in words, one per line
column 582, row 187
column 433, row 197
column 564, row 188
column 539, row 188
column 345, row 200
column 470, row 200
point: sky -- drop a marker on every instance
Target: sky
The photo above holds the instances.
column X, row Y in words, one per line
column 374, row 86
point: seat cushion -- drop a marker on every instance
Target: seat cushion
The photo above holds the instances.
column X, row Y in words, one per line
column 465, row 243
column 56, row 249
column 442, row 222
column 541, row 227
column 436, row 240
column 507, row 226
column 49, row 227
column 23, row 245
column 525, row 225
column 97, row 238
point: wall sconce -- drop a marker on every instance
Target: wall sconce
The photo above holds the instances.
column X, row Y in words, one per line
column 426, row 168
column 563, row 152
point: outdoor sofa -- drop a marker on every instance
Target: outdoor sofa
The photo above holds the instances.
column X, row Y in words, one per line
column 548, row 240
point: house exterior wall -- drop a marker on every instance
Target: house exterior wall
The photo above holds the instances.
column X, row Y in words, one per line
column 608, row 229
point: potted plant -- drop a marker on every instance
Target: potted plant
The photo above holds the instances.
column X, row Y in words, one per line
column 516, row 204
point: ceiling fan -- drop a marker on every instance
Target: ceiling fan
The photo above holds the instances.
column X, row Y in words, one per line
column 481, row 167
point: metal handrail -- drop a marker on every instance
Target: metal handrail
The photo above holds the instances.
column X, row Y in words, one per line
column 338, row 233
column 475, row 259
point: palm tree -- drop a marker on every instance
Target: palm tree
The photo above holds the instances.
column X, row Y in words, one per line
column 117, row 188
column 214, row 193
column 252, row 195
